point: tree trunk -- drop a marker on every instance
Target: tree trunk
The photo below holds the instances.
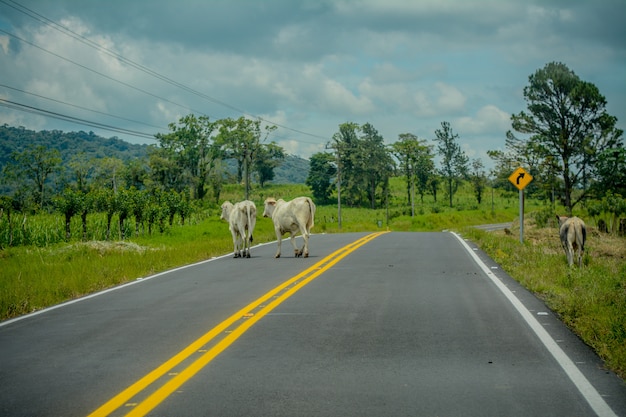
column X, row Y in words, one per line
column 83, row 217
column 68, row 220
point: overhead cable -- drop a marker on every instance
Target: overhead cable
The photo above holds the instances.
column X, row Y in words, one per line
column 67, row 31
column 31, row 109
column 81, row 107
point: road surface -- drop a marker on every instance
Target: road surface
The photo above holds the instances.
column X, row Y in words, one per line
column 389, row 324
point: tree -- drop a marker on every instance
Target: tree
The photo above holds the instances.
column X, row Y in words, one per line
column 425, row 171
column 216, row 179
column 82, row 169
column 124, row 207
column 376, row 160
column 320, row 176
column 610, row 172
column 454, row 161
column 136, row 173
column 69, row 204
column 7, row 206
column 268, row 157
column 35, row 163
column 139, row 206
column 364, row 162
column 109, row 173
column 104, row 200
column 567, row 122
column 241, row 139
column 478, row 178
column 343, row 142
column 165, row 173
column 416, row 161
column 190, row 146
column 87, row 206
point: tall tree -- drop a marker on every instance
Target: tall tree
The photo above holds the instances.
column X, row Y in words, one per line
column 268, row 157
column 241, row 139
column 82, row 169
column 611, row 172
column 376, row 161
column 416, row 161
column 425, row 170
column 478, row 178
column 454, row 163
column 109, row 173
column 35, row 163
column 69, row 203
column 191, row 146
column 344, row 142
column 364, row 162
column 567, row 121
column 320, row 176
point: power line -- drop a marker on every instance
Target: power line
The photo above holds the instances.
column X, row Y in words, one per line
column 97, row 72
column 81, row 107
column 68, row 32
column 47, row 113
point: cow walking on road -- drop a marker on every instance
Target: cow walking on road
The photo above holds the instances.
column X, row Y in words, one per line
column 295, row 216
column 241, row 218
column 573, row 234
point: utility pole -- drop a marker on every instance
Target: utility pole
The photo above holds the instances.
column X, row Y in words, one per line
column 338, row 162
column 246, row 171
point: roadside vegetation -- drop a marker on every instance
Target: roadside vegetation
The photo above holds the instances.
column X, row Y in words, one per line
column 590, row 300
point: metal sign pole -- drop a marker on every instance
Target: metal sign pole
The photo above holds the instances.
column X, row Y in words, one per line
column 520, row 179
column 521, row 215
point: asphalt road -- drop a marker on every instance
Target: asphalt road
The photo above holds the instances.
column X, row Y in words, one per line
column 397, row 324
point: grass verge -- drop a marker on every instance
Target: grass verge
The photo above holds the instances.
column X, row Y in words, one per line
column 590, row 300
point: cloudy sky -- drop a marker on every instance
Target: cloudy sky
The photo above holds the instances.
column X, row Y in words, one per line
column 403, row 66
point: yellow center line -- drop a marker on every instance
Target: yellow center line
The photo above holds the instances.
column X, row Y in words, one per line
column 263, row 307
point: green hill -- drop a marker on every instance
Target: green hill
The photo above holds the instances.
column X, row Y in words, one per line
column 293, row 170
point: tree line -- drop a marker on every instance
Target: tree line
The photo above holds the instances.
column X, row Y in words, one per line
column 189, row 163
column 572, row 148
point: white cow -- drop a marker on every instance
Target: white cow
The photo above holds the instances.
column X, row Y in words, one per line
column 241, row 218
column 295, row 216
column 573, row 233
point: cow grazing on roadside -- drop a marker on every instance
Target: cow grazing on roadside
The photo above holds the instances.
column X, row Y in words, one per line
column 241, row 218
column 573, row 234
column 295, row 216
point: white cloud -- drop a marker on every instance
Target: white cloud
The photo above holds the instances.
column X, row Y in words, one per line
column 489, row 119
column 441, row 100
column 403, row 66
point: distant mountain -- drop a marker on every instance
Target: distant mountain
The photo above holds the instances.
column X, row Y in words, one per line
column 293, row 170
column 68, row 143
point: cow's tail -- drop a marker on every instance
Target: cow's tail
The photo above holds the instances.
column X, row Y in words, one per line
column 581, row 236
column 312, row 212
column 248, row 210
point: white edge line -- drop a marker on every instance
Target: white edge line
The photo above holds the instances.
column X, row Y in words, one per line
column 118, row 287
column 595, row 400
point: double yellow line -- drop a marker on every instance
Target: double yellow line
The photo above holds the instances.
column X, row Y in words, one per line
column 201, row 352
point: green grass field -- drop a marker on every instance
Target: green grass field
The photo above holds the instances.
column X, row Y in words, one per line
column 592, row 301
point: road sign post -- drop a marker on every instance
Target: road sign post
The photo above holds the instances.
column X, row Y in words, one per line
column 520, row 179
